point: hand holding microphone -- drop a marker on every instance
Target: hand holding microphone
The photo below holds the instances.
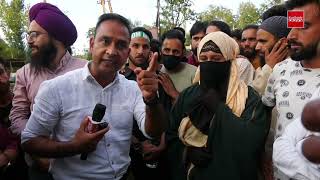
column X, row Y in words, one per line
column 91, row 131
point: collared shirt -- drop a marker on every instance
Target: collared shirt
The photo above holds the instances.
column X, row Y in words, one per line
column 27, row 85
column 62, row 104
column 287, row 151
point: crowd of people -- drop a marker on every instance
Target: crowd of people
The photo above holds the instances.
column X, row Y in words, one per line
column 242, row 104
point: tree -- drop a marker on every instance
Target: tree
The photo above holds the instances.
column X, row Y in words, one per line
column 136, row 23
column 248, row 14
column 13, row 21
column 174, row 13
column 268, row 4
column 4, row 49
column 218, row 13
column 85, row 54
column 188, row 39
column 91, row 32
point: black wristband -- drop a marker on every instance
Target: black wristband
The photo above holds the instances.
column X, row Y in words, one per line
column 152, row 102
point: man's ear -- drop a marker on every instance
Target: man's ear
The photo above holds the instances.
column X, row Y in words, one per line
column 91, row 43
column 129, row 52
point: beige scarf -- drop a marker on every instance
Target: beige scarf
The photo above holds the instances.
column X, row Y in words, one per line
column 237, row 90
column 236, row 95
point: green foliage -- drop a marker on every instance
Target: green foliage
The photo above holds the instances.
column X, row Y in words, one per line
column 174, row 13
column 13, row 22
column 248, row 14
column 136, row 23
column 4, row 49
column 188, row 40
column 91, row 32
column 218, row 13
column 268, row 4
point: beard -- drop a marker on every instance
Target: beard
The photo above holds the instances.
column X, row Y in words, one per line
column 144, row 65
column 248, row 54
column 305, row 53
column 262, row 57
column 44, row 58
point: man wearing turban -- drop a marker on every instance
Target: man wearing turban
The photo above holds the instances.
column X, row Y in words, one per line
column 50, row 33
column 218, row 126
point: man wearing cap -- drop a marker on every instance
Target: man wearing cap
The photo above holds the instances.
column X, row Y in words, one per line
column 271, row 48
column 50, row 33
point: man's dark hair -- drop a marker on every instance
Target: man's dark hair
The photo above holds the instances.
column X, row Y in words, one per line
column 115, row 17
column 181, row 30
column 291, row 4
column 155, row 46
column 251, row 26
column 224, row 27
column 173, row 34
column 237, row 33
column 148, row 33
column 277, row 10
column 198, row 27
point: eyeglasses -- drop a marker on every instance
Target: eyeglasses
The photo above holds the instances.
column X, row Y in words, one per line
column 32, row 35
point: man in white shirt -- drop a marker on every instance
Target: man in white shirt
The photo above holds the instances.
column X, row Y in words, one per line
column 64, row 103
column 292, row 83
column 287, row 151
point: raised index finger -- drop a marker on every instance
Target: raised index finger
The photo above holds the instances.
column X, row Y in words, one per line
column 153, row 63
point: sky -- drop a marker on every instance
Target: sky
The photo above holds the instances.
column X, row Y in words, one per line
column 84, row 13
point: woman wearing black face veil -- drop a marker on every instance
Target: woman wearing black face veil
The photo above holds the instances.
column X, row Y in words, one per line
column 217, row 126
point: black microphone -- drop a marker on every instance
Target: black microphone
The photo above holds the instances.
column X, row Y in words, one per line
column 97, row 115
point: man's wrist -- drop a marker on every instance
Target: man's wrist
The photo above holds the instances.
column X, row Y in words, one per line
column 151, row 102
column 74, row 148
